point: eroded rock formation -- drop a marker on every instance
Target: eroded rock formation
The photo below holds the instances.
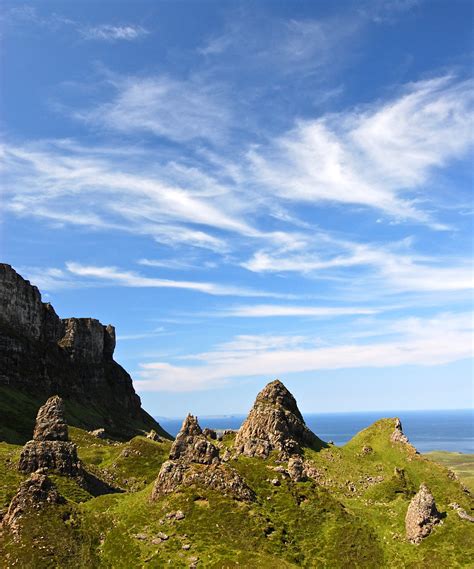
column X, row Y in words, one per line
column 275, row 423
column 195, row 461
column 50, row 447
column 422, row 515
column 41, row 355
column 34, row 493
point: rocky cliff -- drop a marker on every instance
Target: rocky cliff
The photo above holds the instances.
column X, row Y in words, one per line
column 43, row 355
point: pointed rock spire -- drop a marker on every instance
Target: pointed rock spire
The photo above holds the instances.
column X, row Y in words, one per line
column 191, row 445
column 422, row 515
column 50, row 447
column 275, row 423
column 50, row 421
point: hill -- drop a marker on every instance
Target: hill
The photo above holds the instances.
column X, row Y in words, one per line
column 274, row 496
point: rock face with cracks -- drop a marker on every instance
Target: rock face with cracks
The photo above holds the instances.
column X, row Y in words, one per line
column 34, row 493
column 275, row 423
column 42, row 355
column 50, row 447
column 422, row 515
column 195, row 461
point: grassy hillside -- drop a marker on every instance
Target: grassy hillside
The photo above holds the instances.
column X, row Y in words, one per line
column 460, row 463
column 352, row 517
column 18, row 413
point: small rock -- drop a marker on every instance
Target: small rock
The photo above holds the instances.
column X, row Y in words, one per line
column 179, row 515
column 154, row 436
column 141, row 536
column 162, row 535
column 99, row 433
column 275, row 482
column 186, row 547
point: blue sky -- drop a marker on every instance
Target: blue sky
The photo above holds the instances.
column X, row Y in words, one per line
column 250, row 190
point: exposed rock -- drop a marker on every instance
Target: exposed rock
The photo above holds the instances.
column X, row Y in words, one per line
column 275, row 423
column 398, row 436
column 422, row 515
column 210, row 433
column 99, row 433
column 192, row 446
column 51, row 455
column 42, row 355
column 462, row 512
column 50, row 448
column 296, row 469
column 154, row 436
column 195, row 461
column 50, row 421
column 34, row 493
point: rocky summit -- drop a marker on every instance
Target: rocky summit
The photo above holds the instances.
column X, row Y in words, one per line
column 275, row 423
column 422, row 515
column 50, row 447
column 193, row 460
column 42, row 355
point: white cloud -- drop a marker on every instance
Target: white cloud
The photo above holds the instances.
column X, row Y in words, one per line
column 424, row 342
column 397, row 270
column 271, row 310
column 165, row 107
column 377, row 157
column 108, row 32
column 131, row 279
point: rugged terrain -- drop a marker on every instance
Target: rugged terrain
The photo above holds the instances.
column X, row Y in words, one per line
column 374, row 502
column 43, row 355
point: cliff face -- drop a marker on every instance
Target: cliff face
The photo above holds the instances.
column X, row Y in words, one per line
column 42, row 355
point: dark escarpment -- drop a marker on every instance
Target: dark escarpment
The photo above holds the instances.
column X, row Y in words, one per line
column 43, row 355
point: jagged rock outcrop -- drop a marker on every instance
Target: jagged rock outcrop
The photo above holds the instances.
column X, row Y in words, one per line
column 50, row 447
column 41, row 355
column 195, row 461
column 398, row 436
column 191, row 445
column 33, row 494
column 296, row 469
column 422, row 515
column 275, row 423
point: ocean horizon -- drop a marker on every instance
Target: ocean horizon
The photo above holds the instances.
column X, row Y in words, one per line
column 428, row 430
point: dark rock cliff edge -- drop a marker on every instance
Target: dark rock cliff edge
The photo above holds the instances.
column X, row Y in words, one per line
column 43, row 355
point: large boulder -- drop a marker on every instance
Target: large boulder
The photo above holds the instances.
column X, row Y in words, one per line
column 422, row 515
column 33, row 494
column 194, row 461
column 275, row 423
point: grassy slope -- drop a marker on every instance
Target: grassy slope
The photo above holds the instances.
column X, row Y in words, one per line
column 18, row 413
column 461, row 464
column 344, row 521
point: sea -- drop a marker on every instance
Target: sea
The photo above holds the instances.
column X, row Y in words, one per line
column 451, row 431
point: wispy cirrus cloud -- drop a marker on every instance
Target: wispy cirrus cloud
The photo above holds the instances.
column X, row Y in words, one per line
column 112, row 33
column 78, row 275
column 271, row 310
column 29, row 14
column 394, row 266
column 180, row 110
column 424, row 342
column 379, row 157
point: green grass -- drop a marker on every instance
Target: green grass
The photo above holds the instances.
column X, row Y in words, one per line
column 353, row 517
column 461, row 464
